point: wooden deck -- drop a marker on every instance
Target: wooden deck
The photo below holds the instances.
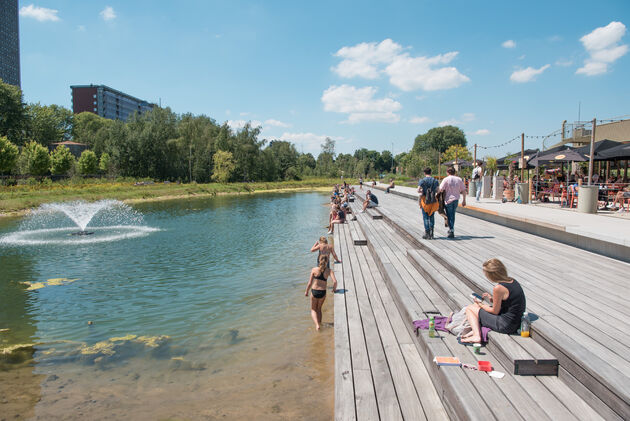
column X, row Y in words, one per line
column 384, row 372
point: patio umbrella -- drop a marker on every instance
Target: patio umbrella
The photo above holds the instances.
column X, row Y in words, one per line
column 568, row 155
column 618, row 152
column 504, row 163
column 598, row 147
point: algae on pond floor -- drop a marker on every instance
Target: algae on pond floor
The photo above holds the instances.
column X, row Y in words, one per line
column 32, row 286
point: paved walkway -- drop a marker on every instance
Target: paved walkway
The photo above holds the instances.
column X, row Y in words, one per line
column 601, row 227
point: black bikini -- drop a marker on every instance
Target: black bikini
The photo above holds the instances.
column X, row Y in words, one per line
column 319, row 293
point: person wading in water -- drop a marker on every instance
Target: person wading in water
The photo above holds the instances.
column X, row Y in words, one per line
column 317, row 286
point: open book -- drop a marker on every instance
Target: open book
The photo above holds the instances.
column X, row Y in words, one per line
column 452, row 361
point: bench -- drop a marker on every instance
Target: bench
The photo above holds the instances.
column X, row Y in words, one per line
column 374, row 214
column 358, row 238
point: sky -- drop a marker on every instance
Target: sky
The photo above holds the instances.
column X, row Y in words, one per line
column 367, row 74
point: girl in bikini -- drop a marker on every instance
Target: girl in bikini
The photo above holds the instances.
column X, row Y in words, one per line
column 317, row 285
column 324, row 249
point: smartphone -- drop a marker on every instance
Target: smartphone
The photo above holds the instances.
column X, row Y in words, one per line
column 477, row 296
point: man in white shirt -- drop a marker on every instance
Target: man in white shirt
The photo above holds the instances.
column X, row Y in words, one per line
column 452, row 186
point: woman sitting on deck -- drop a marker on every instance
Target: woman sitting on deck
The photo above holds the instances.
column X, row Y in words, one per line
column 339, row 218
column 317, row 285
column 508, row 304
column 324, row 249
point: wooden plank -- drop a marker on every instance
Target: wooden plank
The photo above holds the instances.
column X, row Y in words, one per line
column 407, row 397
column 373, row 214
column 344, row 381
column 358, row 239
column 555, row 405
column 386, row 398
column 364, row 392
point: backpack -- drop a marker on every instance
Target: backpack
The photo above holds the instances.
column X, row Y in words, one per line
column 430, row 191
column 373, row 198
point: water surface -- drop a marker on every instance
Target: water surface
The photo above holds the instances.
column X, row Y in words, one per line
column 207, row 312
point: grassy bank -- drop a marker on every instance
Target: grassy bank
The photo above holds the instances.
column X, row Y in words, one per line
column 17, row 199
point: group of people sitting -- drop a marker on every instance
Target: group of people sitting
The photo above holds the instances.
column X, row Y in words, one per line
column 339, row 205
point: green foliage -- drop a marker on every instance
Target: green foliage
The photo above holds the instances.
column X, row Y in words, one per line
column 224, row 166
column 87, row 127
column 49, row 123
column 34, row 159
column 458, row 151
column 13, row 116
column 491, row 165
column 440, row 139
column 105, row 164
column 8, row 155
column 61, row 160
column 88, row 163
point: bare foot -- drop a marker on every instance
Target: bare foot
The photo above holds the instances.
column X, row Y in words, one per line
column 471, row 339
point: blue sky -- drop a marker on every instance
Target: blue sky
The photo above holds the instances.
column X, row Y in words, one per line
column 364, row 73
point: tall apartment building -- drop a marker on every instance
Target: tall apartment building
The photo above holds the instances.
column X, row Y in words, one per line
column 9, row 42
column 106, row 102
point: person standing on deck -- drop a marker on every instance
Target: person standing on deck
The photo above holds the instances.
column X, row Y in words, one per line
column 360, row 183
column 452, row 186
column 428, row 188
column 324, row 249
column 477, row 175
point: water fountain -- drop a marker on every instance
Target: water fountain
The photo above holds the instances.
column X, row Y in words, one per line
column 57, row 223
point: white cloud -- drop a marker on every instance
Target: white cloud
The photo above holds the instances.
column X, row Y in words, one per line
column 309, row 142
column 465, row 118
column 419, row 120
column 239, row 124
column 602, row 46
column 508, row 44
column 108, row 13
column 81, row 28
column 528, row 74
column 521, row 57
column 482, row 132
column 244, row 114
column 449, row 122
column 563, row 63
column 411, row 73
column 275, row 123
column 360, row 104
column 363, row 59
column 41, row 14
column 370, row 60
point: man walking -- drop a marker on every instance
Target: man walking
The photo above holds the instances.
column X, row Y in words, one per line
column 452, row 186
column 477, row 175
column 428, row 188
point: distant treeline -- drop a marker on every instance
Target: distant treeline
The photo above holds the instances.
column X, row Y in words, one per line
column 163, row 145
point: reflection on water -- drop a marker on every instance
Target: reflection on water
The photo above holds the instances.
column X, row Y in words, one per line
column 204, row 318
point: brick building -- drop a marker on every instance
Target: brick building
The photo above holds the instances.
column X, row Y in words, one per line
column 107, row 102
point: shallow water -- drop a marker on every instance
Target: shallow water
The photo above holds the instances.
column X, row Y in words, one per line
column 213, row 291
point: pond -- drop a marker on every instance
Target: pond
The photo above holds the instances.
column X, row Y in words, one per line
column 200, row 314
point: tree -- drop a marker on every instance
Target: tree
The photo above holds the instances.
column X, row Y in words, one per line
column 224, row 166
column 8, row 155
column 61, row 160
column 88, row 163
column 86, row 126
column 34, row 159
column 456, row 151
column 387, row 162
column 13, row 116
column 285, row 156
column 491, row 165
column 439, row 138
column 105, row 164
column 49, row 123
column 329, row 147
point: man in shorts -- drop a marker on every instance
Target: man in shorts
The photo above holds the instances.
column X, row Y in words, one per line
column 370, row 201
